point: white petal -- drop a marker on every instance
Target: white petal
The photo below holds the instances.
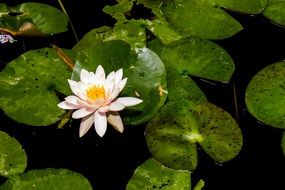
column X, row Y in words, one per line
column 93, row 79
column 67, row 106
column 85, row 124
column 104, row 109
column 115, row 120
column 81, row 113
column 128, row 101
column 100, row 73
column 116, row 106
column 73, row 86
column 111, row 76
column 109, row 84
column 84, row 76
column 119, row 75
column 118, row 88
column 100, row 122
column 72, row 99
column 121, row 85
column 94, row 104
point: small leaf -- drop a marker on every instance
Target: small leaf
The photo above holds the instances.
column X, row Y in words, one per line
column 145, row 72
column 152, row 175
column 28, row 85
column 265, row 95
column 32, row 19
column 13, row 159
column 55, row 179
column 197, row 57
column 275, row 12
column 172, row 135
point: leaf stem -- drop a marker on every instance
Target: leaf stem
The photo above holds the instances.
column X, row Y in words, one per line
column 235, row 100
column 66, row 14
column 199, row 185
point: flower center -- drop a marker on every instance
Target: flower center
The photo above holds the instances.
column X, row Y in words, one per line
column 95, row 92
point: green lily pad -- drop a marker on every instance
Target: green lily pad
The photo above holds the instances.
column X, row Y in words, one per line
column 45, row 18
column 200, row 18
column 132, row 32
column 145, row 72
column 179, row 84
column 265, row 95
column 162, row 30
column 152, row 175
column 56, row 179
column 28, row 85
column 275, row 12
column 13, row 159
column 173, row 134
column 197, row 57
column 244, row 6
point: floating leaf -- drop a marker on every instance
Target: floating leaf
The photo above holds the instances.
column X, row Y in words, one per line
column 132, row 32
column 162, row 30
column 32, row 19
column 152, row 175
column 28, row 85
column 244, row 6
column 197, row 57
column 181, row 86
column 13, row 159
column 265, row 95
column 172, row 135
column 200, row 18
column 55, row 179
column 275, row 11
column 144, row 70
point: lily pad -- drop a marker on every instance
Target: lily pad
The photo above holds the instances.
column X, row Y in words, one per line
column 13, row 159
column 200, row 18
column 56, row 179
column 28, row 85
column 198, row 57
column 152, row 175
column 162, row 30
column 265, row 95
column 244, row 6
column 145, row 72
column 172, row 136
column 132, row 32
column 181, row 86
column 275, row 12
column 45, row 19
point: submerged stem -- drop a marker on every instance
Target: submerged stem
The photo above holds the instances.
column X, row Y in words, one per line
column 66, row 14
column 235, row 101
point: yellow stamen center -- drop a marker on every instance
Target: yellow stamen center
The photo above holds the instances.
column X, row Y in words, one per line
column 95, row 92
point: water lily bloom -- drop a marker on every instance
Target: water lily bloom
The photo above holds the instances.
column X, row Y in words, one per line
column 95, row 100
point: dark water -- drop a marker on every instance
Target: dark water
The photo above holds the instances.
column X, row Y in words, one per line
column 109, row 162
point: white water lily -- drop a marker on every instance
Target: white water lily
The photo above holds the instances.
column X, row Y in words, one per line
column 95, row 100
